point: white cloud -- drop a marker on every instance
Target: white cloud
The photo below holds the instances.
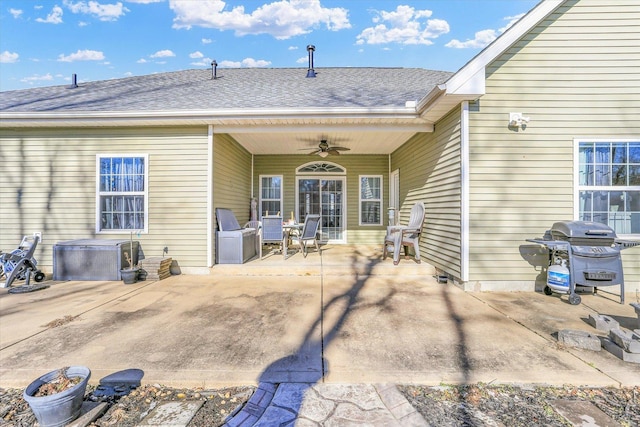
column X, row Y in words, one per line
column 7, row 57
column 82, row 55
column 282, row 19
column 207, row 41
column 163, row 54
column 204, row 62
column 255, row 63
column 37, row 78
column 293, row 47
column 141, row 61
column 245, row 63
column 302, row 60
column 55, row 17
column 230, row 64
column 483, row 38
column 196, row 54
column 405, row 25
column 16, row 13
column 104, row 12
column 145, row 1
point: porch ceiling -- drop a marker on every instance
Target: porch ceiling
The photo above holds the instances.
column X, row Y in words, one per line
column 294, row 138
column 305, row 142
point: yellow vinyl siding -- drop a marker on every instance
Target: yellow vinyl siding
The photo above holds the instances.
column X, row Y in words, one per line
column 231, row 179
column 355, row 165
column 57, row 180
column 576, row 76
column 429, row 167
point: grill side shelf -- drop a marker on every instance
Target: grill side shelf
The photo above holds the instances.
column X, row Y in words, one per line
column 626, row 244
column 555, row 245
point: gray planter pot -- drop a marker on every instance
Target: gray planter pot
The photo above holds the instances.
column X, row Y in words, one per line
column 129, row 276
column 58, row 409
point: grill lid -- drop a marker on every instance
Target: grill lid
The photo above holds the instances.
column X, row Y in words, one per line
column 571, row 230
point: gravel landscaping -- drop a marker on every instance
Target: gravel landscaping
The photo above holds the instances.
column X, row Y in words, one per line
column 446, row 405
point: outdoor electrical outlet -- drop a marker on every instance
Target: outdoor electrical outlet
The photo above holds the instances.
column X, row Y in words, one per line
column 38, row 234
column 165, row 250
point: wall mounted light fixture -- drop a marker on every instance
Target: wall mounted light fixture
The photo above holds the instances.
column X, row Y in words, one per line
column 517, row 120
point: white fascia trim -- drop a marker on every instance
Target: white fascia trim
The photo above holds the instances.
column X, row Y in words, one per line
column 211, row 115
column 320, row 127
column 431, row 98
column 460, row 80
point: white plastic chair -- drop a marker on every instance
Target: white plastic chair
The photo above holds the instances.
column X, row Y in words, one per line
column 404, row 235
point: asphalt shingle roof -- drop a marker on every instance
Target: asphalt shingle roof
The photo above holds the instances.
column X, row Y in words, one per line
column 242, row 88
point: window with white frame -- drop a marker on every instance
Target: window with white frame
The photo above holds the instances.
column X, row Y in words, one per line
column 270, row 194
column 122, row 192
column 370, row 200
column 609, row 184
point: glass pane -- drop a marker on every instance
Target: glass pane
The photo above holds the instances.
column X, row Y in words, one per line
column 586, row 153
column 271, row 206
column 602, row 174
column 586, row 174
column 602, row 168
column 619, row 175
column 105, row 174
column 603, row 153
column 370, row 213
column 634, row 153
column 308, row 197
column 370, row 188
column 271, row 187
column 122, row 212
column 138, row 183
column 619, row 153
column 632, row 202
column 634, row 175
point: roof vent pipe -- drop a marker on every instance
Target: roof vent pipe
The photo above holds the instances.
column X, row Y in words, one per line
column 214, row 70
column 74, row 81
column 311, row 72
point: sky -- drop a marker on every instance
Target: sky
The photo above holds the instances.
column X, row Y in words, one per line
column 45, row 42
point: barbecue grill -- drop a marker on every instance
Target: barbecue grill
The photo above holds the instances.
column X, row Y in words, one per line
column 591, row 252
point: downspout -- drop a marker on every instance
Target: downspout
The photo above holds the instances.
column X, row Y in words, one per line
column 210, row 231
column 252, row 193
column 464, row 178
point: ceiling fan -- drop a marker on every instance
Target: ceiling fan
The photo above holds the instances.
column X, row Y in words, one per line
column 324, row 149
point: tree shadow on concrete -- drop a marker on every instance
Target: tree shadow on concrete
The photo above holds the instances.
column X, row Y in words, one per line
column 463, row 359
column 302, row 369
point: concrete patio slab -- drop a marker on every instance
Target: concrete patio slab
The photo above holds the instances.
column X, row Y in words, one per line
column 336, row 317
column 546, row 315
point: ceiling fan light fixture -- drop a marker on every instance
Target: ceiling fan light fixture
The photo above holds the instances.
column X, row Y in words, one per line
column 323, row 154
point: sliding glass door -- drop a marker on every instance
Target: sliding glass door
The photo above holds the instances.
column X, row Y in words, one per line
column 324, row 196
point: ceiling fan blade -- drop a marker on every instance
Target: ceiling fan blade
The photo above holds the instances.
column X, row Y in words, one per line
column 333, row 151
column 340, row 148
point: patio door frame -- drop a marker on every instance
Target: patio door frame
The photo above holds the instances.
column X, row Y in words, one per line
column 330, row 177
